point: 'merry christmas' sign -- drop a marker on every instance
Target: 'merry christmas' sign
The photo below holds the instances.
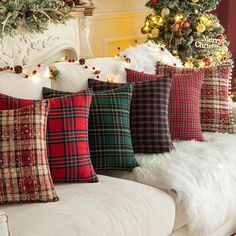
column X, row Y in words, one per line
column 207, row 42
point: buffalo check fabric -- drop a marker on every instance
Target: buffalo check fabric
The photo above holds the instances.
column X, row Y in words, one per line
column 67, row 136
column 216, row 111
column 24, row 171
column 148, row 114
column 109, row 129
column 184, row 103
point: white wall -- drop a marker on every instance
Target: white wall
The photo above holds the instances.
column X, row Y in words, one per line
column 116, row 23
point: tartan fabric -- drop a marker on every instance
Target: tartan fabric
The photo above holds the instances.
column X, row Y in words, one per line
column 67, row 136
column 216, row 112
column 109, row 129
column 24, row 170
column 184, row 112
column 148, row 114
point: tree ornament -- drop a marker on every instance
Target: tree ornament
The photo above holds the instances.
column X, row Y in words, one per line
column 176, row 27
column 221, row 37
column 195, row 1
column 175, row 52
column 207, row 61
column 179, row 17
column 201, row 28
column 185, row 25
column 155, row 32
column 165, row 12
column 145, row 29
column 188, row 64
column 154, row 1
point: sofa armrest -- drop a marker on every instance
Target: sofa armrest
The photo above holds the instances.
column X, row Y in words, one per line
column 4, row 224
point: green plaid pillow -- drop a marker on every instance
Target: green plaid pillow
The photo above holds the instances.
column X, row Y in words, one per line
column 109, row 128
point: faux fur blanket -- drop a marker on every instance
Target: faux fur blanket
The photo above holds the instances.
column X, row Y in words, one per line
column 202, row 174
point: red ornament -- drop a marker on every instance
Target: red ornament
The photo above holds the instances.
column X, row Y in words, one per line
column 39, row 65
column 207, row 61
column 220, row 36
column 185, row 25
column 176, row 27
column 69, row 2
column 174, row 64
column 221, row 44
column 154, row 1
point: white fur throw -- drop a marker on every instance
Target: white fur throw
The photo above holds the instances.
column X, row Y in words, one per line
column 144, row 57
column 203, row 176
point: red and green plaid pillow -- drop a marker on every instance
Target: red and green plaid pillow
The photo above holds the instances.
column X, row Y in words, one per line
column 216, row 112
column 184, row 103
column 109, row 128
column 148, row 113
column 67, row 136
column 25, row 174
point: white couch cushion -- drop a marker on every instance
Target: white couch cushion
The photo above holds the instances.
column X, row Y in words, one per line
column 110, row 207
column 73, row 77
column 4, row 224
column 17, row 86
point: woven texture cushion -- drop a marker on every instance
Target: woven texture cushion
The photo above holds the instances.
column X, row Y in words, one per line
column 184, row 117
column 67, row 136
column 148, row 114
column 109, row 128
column 216, row 114
column 25, row 174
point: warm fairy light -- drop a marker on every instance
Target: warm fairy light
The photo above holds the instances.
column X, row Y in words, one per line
column 161, row 21
column 203, row 19
column 188, row 64
column 154, row 18
column 64, row 58
column 147, row 23
column 201, row 64
column 146, row 28
column 209, row 23
column 35, row 77
column 179, row 17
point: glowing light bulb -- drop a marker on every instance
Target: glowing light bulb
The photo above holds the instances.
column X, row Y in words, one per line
column 35, row 77
column 203, row 19
column 179, row 17
column 154, row 18
column 147, row 23
column 201, row 64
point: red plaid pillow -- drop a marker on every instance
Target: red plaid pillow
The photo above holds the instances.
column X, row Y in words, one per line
column 184, row 113
column 25, row 174
column 216, row 112
column 67, row 136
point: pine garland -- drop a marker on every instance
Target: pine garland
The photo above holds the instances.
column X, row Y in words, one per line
column 31, row 15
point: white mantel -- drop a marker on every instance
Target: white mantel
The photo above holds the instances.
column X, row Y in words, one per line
column 47, row 47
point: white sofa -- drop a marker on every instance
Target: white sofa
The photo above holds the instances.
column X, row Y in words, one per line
column 112, row 206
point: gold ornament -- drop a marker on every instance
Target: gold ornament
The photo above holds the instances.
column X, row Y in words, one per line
column 188, row 64
column 201, row 28
column 179, row 17
column 155, row 32
column 165, row 11
column 145, row 29
column 195, row 1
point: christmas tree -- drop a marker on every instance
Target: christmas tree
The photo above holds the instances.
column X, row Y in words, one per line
column 188, row 30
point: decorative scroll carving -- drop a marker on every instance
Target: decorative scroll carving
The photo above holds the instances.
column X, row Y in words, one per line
column 27, row 48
